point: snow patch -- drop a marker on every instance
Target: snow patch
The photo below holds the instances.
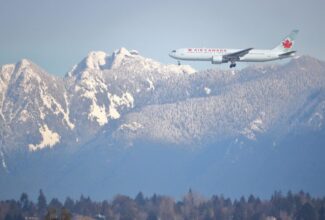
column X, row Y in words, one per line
column 316, row 120
column 1, row 114
column 66, row 115
column 49, row 139
column 3, row 162
column 181, row 69
column 5, row 73
column 207, row 90
column 90, row 85
column 74, row 69
column 131, row 126
column 23, row 116
column 113, row 113
column 256, row 126
column 51, row 104
column 151, row 85
column 116, row 101
column 98, row 113
column 134, row 52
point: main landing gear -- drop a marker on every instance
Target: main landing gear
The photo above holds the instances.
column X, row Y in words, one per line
column 178, row 62
column 232, row 64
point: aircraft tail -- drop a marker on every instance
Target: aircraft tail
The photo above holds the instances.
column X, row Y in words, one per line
column 287, row 43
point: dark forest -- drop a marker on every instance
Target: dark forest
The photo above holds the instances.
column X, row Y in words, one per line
column 287, row 206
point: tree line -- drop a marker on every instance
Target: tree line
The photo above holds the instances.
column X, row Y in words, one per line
column 300, row 206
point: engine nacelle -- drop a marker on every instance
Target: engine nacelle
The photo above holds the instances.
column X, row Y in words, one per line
column 217, row 60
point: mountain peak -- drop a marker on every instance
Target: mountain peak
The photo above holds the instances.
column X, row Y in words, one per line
column 28, row 65
column 306, row 62
column 7, row 66
column 96, row 54
column 122, row 51
column 306, row 59
column 6, row 70
column 100, row 60
column 118, row 56
column 96, row 60
column 24, row 63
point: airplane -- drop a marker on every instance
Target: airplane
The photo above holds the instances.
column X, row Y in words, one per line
column 220, row 55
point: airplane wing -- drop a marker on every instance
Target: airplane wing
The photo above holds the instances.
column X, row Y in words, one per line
column 287, row 53
column 236, row 55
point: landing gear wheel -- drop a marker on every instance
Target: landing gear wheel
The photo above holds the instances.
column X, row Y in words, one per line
column 232, row 65
column 178, row 62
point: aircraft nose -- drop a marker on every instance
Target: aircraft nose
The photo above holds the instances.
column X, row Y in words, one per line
column 172, row 54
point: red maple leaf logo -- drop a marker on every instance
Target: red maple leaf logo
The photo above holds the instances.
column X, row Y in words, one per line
column 287, row 43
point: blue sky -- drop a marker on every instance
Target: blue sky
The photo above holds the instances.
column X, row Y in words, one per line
column 58, row 34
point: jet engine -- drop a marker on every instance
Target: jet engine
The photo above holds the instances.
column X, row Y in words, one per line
column 217, row 60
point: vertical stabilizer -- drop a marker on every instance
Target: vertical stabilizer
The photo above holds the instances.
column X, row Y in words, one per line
column 287, row 43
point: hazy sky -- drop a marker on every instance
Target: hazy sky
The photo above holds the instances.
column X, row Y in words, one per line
column 56, row 34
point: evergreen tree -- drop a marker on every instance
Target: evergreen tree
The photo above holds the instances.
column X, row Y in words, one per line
column 14, row 211
column 41, row 204
column 301, row 205
column 14, row 217
column 55, row 204
column 69, row 204
column 139, row 199
column 307, row 212
column 322, row 213
column 24, row 202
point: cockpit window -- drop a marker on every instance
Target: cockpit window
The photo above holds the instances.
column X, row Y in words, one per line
column 174, row 51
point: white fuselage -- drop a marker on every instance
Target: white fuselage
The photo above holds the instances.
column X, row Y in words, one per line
column 207, row 54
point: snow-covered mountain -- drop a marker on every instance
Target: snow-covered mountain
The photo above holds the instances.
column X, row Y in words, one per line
column 221, row 105
column 39, row 110
column 110, row 107
column 103, row 87
column 34, row 108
